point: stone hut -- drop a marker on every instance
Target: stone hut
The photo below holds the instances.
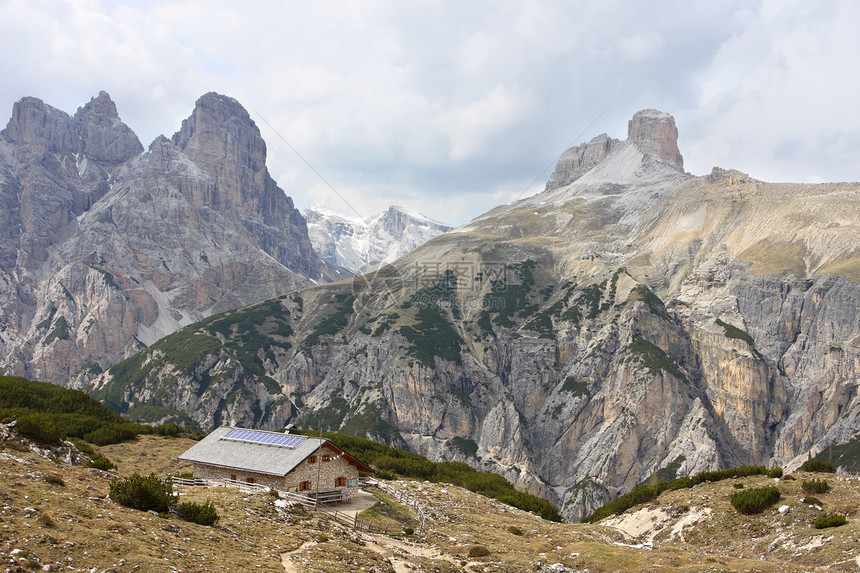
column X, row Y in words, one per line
column 285, row 462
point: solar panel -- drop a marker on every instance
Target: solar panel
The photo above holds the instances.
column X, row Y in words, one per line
column 267, row 438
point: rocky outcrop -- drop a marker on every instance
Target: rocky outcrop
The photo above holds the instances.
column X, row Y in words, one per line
column 655, row 134
column 111, row 247
column 579, row 160
column 104, row 138
column 360, row 244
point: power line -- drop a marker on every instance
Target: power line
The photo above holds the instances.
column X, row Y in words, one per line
column 555, row 161
column 318, row 174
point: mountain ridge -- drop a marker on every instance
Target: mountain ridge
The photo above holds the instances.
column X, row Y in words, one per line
column 111, row 247
column 576, row 342
column 359, row 245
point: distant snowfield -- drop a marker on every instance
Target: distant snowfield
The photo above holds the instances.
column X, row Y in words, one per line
column 357, row 244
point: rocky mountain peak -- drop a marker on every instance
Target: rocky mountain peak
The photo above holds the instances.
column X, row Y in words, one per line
column 100, row 110
column 579, row 160
column 104, row 136
column 357, row 244
column 192, row 227
column 95, row 130
column 42, row 128
column 654, row 132
column 220, row 128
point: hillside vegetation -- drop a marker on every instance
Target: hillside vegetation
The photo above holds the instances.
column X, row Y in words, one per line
column 60, row 517
column 389, row 461
column 48, row 413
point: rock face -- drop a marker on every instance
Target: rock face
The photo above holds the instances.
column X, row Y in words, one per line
column 652, row 132
column 358, row 245
column 107, row 247
column 655, row 133
column 636, row 319
column 579, row 160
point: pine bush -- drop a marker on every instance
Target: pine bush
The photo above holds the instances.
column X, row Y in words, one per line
column 203, row 514
column 832, row 520
column 755, row 500
column 818, row 466
column 815, row 486
column 144, row 493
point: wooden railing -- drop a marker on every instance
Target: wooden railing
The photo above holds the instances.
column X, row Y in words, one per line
column 385, row 528
column 196, row 482
column 199, row 482
column 406, row 498
column 311, row 499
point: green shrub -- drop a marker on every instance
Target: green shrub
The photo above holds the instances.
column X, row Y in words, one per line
column 815, row 486
column 738, row 485
column 144, row 493
column 478, row 551
column 408, row 530
column 169, row 429
column 109, row 434
column 100, row 462
column 204, row 514
column 40, row 428
column 818, row 466
column 809, row 500
column 47, row 413
column 386, row 474
column 755, row 500
column 82, row 446
column 832, row 520
column 645, row 492
column 515, row 530
column 774, row 473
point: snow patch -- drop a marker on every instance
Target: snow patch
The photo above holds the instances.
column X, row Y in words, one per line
column 165, row 323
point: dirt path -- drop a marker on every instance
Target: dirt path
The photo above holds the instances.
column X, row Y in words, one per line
column 395, row 551
column 286, row 560
column 392, row 550
column 359, row 502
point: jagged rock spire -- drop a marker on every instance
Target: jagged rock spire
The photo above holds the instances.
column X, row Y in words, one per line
column 655, row 134
column 652, row 131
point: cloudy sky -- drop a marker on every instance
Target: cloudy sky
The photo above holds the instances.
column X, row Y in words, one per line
column 451, row 108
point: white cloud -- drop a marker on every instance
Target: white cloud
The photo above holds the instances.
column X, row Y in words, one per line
column 779, row 100
column 439, row 105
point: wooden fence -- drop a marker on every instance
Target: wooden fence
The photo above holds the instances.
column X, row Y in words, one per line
column 352, row 521
column 326, row 498
column 406, row 498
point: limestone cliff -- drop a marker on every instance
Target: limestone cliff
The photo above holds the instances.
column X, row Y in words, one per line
column 107, row 247
column 630, row 318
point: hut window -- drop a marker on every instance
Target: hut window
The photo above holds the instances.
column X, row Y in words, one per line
column 305, row 486
column 340, row 482
column 233, row 477
column 251, row 480
column 312, row 459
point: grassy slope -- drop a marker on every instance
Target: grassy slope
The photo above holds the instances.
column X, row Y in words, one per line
column 76, row 521
column 412, row 465
column 48, row 413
